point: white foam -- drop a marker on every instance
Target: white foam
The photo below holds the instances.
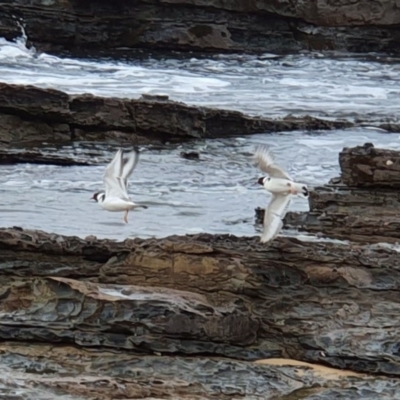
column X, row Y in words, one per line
column 257, row 85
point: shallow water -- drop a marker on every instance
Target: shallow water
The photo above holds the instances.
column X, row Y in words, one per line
column 308, row 83
column 217, row 194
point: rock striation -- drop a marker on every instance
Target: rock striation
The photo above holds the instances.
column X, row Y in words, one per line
column 198, row 316
column 97, row 27
column 30, row 116
column 362, row 205
column 203, row 294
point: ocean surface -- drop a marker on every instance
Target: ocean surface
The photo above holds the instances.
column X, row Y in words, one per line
column 218, row 193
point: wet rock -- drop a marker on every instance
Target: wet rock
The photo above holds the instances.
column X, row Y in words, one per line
column 362, row 205
column 28, row 113
column 259, row 214
column 13, row 156
column 279, row 26
column 57, row 371
column 367, row 166
column 190, row 155
column 157, row 97
column 213, row 295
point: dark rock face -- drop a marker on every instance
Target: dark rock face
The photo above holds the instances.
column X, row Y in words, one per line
column 366, row 166
column 12, row 156
column 56, row 371
column 363, row 205
column 97, row 26
column 30, row 114
column 204, row 294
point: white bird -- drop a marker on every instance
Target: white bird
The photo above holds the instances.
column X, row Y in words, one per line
column 281, row 186
column 116, row 176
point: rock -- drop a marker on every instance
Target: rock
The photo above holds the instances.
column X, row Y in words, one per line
column 348, row 226
column 213, row 295
column 30, row 114
column 259, row 215
column 190, row 155
column 361, row 206
column 279, row 26
column 59, row 371
column 13, row 156
column 366, row 166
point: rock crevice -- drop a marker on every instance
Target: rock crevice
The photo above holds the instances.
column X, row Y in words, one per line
column 362, row 205
column 98, row 27
column 31, row 114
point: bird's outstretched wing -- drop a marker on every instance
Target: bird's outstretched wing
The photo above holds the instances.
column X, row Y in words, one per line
column 117, row 173
column 265, row 160
column 274, row 214
column 130, row 161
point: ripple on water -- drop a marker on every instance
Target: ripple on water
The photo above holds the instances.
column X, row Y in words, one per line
column 217, row 194
column 318, row 84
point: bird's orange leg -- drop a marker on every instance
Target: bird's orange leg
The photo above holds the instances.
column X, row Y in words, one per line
column 126, row 216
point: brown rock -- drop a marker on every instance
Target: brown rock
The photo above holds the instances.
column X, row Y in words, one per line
column 13, row 156
column 204, row 294
column 31, row 114
column 54, row 371
column 95, row 27
column 367, row 166
column 364, row 211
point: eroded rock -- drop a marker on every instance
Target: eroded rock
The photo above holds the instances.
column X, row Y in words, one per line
column 279, row 26
column 367, row 166
column 54, row 371
column 204, row 294
column 30, row 114
column 363, row 204
column 36, row 156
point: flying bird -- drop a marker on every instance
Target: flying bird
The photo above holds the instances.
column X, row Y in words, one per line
column 116, row 197
column 281, row 186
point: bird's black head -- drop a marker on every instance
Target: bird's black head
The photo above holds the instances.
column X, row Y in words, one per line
column 95, row 197
column 261, row 180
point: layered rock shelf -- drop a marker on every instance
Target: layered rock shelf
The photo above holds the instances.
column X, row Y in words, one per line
column 97, row 27
column 31, row 117
column 363, row 204
column 218, row 316
column 74, row 373
column 30, row 114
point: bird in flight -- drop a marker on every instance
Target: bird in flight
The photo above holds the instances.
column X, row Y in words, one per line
column 281, row 186
column 116, row 197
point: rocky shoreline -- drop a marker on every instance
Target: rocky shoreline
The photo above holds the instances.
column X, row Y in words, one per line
column 278, row 26
column 362, row 205
column 77, row 373
column 218, row 303
column 31, row 116
column 199, row 316
column 213, row 316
